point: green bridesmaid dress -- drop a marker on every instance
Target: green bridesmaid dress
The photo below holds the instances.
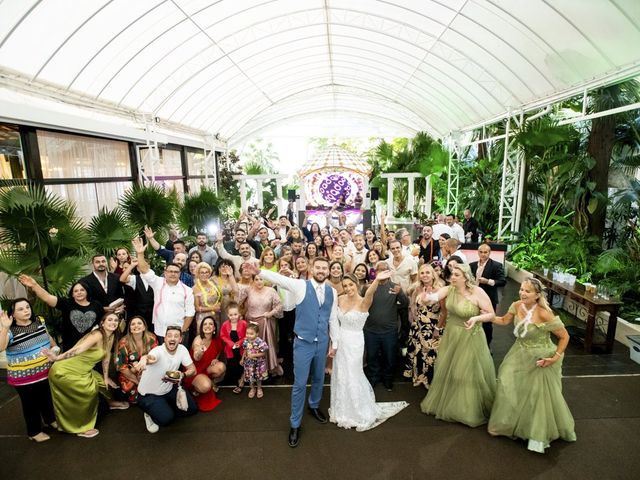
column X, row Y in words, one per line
column 529, row 402
column 75, row 387
column 464, row 379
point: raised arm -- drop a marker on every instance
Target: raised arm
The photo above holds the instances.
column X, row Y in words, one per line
column 383, row 230
column 368, row 297
column 90, row 341
column 294, row 285
column 251, row 234
column 139, row 247
column 150, row 234
column 507, row 318
column 40, row 292
column 126, row 272
column 5, row 325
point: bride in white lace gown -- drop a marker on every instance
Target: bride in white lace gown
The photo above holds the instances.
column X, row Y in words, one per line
column 353, row 403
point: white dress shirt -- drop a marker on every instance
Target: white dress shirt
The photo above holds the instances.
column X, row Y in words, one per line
column 171, row 303
column 298, row 289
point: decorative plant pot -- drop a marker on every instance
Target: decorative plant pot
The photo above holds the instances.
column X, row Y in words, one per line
column 625, row 328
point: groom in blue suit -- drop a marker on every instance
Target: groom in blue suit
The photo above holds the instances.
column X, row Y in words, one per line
column 316, row 322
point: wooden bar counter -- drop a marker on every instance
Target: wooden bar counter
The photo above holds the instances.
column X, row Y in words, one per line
column 593, row 306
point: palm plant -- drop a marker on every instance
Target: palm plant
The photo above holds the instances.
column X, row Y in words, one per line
column 149, row 205
column 198, row 210
column 41, row 236
column 110, row 230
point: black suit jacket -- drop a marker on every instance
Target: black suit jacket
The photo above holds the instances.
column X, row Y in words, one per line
column 114, row 291
column 492, row 271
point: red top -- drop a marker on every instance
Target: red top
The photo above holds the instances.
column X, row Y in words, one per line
column 211, row 353
column 225, row 335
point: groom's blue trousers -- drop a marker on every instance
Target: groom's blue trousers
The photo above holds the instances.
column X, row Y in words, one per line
column 309, row 360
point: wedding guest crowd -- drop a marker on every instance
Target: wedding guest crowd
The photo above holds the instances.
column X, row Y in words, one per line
column 164, row 340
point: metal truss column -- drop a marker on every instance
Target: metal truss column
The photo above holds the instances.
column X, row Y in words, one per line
column 209, row 165
column 453, row 180
column 148, row 157
column 512, row 181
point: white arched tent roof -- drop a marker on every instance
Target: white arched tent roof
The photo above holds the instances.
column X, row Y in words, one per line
column 236, row 67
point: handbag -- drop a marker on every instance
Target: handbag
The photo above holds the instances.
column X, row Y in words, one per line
column 181, row 399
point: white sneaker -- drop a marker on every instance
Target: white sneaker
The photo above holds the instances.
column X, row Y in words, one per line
column 404, row 351
column 151, row 426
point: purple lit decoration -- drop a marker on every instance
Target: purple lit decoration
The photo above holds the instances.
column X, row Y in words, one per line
column 334, row 186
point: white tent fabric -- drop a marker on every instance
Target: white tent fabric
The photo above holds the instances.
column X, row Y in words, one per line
column 236, row 67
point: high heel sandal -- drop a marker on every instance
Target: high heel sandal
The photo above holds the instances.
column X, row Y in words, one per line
column 89, row 433
column 41, row 437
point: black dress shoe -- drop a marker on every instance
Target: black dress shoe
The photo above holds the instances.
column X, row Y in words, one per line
column 318, row 415
column 294, row 437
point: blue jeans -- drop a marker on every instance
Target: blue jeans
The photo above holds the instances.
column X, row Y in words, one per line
column 162, row 408
column 381, row 349
column 309, row 359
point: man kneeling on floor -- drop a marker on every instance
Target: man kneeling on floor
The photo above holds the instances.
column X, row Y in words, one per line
column 158, row 392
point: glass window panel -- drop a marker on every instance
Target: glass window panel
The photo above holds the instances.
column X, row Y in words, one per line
column 74, row 156
column 82, row 195
column 109, row 194
column 169, row 163
column 89, row 198
column 11, row 158
column 171, row 184
column 199, row 165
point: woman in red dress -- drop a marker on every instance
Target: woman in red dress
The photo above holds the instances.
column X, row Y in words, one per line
column 205, row 351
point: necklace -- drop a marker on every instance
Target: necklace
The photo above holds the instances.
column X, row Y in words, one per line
column 520, row 330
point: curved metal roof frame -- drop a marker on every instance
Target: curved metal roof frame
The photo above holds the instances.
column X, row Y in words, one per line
column 227, row 65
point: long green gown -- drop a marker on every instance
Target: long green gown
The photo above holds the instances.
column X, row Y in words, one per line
column 75, row 388
column 464, row 379
column 529, row 402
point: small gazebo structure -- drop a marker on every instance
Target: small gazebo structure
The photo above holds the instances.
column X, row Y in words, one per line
column 333, row 173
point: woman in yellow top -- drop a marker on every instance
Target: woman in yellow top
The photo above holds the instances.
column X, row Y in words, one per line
column 207, row 295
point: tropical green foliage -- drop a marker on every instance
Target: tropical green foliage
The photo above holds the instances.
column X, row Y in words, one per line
column 479, row 180
column 110, row 230
column 619, row 270
column 41, row 231
column 198, row 210
column 149, row 205
column 228, row 187
column 420, row 154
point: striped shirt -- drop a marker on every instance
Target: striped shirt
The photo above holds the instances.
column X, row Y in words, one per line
column 25, row 362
